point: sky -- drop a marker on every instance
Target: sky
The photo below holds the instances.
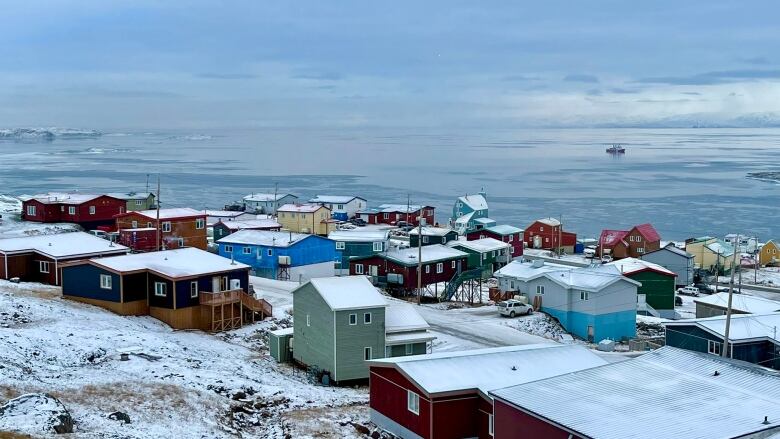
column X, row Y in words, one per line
column 149, row 64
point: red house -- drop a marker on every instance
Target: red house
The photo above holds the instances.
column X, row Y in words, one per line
column 632, row 243
column 445, row 395
column 395, row 213
column 505, row 233
column 440, row 264
column 90, row 211
column 179, row 227
column 546, row 233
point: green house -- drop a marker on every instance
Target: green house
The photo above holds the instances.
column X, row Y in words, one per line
column 136, row 200
column 487, row 253
column 340, row 322
column 432, row 235
column 656, row 294
column 362, row 241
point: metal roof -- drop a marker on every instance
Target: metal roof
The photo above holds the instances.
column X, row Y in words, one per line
column 348, row 292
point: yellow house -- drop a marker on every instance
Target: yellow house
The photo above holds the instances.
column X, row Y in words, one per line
column 709, row 253
column 305, row 218
column 769, row 255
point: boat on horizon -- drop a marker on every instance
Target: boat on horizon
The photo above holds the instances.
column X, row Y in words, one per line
column 616, row 148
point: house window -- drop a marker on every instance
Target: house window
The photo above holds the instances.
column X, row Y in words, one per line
column 358, row 268
column 353, row 319
column 340, row 245
column 512, row 250
column 511, row 238
column 540, row 289
column 378, row 246
column 31, row 210
column 91, row 210
column 413, row 402
column 43, row 266
column 440, row 267
column 494, row 253
column 386, row 216
column 427, row 269
column 200, row 223
column 105, row 281
column 160, row 289
column 366, row 353
column 714, row 347
column 308, row 320
column 247, row 250
column 640, row 250
column 409, row 349
column 134, row 224
column 443, row 239
column 511, row 285
column 139, row 202
column 541, row 229
column 270, row 252
column 340, row 207
column 193, row 289
column 367, row 318
column 71, row 210
column 228, row 249
column 166, row 226
column 490, row 425
column 181, row 242
column 425, row 239
column 584, row 295
column 453, row 264
column 638, row 239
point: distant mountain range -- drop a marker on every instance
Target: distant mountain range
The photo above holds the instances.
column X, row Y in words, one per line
column 699, row 120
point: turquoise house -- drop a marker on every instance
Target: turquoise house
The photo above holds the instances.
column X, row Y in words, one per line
column 363, row 241
column 470, row 213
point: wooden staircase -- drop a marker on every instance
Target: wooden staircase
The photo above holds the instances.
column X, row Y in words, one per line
column 226, row 309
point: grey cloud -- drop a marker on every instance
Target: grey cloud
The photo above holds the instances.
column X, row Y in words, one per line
column 520, row 78
column 623, row 91
column 756, row 60
column 710, row 78
column 226, row 76
column 579, row 77
column 319, row 76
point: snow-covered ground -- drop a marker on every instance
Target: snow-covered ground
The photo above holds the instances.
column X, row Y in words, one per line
column 12, row 226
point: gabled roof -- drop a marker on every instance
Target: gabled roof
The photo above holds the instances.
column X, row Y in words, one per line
column 648, row 232
column 400, row 208
column 61, row 245
column 301, row 208
column 334, row 199
column 741, row 302
column 609, row 238
column 666, row 393
column 629, row 266
column 526, row 271
column 744, row 327
column 166, row 214
column 674, row 249
column 225, row 213
column 430, row 253
column 348, row 292
column 720, row 247
column 250, row 224
column 182, row 262
column 504, row 229
column 482, row 245
column 432, row 231
column 360, row 235
column 260, row 198
column 62, row 198
column 552, row 222
column 592, row 278
column 489, row 369
column 266, row 238
column 403, row 317
column 476, row 202
column 131, row 195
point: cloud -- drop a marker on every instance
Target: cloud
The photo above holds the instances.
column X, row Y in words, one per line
column 756, row 60
column 710, row 78
column 227, row 76
column 623, row 91
column 594, row 92
column 520, row 78
column 319, row 76
column 579, row 77
column 691, row 93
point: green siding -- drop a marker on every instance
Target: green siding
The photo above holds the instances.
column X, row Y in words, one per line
column 352, row 339
column 279, row 347
column 475, row 259
column 658, row 289
column 313, row 345
column 400, row 350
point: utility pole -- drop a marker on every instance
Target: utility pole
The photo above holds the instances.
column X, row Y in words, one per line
column 728, row 307
column 560, row 235
column 276, row 196
column 158, row 214
column 419, row 259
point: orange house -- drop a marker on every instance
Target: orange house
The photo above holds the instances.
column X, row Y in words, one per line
column 632, row 243
column 180, row 227
column 770, row 254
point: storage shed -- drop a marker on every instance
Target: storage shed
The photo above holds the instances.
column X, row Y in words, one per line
column 280, row 344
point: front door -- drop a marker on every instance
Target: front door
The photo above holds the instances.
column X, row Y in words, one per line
column 373, row 270
column 590, row 333
column 641, row 299
column 215, row 284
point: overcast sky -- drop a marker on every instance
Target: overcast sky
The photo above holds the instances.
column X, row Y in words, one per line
column 99, row 64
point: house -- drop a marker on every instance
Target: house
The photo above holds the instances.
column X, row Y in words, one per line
column 470, row 213
column 743, row 243
column 90, row 211
column 363, row 241
column 224, row 228
column 306, row 218
column 505, row 233
column 632, row 243
column 647, row 397
column 179, row 227
column 186, row 288
column 446, row 395
column 141, row 239
column 716, row 305
column 135, row 200
column 267, row 203
column 39, row 258
column 593, row 303
column 673, row 259
column 395, row 213
column 431, row 235
column 280, row 255
column 752, row 337
column 769, row 254
column 341, row 322
column 547, row 234
column 343, row 207
column 215, row 216
column 397, row 269
column 655, row 295
column 486, row 253
column 711, row 254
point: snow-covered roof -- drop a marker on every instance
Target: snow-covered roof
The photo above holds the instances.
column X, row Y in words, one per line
column 266, row 197
column 669, row 393
column 476, row 202
column 334, row 199
column 432, row 231
column 484, row 220
column 62, row 198
column 489, row 369
column 225, row 213
column 348, row 292
column 182, row 262
column 283, row 331
column 741, row 302
column 408, row 337
column 303, row 208
column 403, row 317
column 611, row 237
column 634, row 265
column 504, row 229
column 178, row 212
column 552, row 222
column 251, row 224
column 744, row 327
column 529, row 270
column 266, row 238
column 464, row 219
column 482, row 245
column 402, row 208
column 360, row 235
column 61, row 245
column 721, row 247
column 591, row 278
column 130, row 195
column 674, row 249
column 430, row 253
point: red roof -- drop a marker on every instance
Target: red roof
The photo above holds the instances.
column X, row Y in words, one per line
column 611, row 237
column 648, row 232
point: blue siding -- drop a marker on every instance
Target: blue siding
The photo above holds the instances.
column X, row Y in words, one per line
column 616, row 326
column 311, row 250
column 183, row 299
column 693, row 338
column 84, row 281
column 160, row 301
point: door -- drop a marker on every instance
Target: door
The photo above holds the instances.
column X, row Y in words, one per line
column 537, row 241
column 223, row 284
column 641, row 299
column 373, row 270
column 215, row 283
column 590, row 333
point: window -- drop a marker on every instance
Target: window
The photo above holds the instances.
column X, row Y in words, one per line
column 366, row 353
column 270, row 252
column 367, row 318
column 340, row 207
column 91, row 210
column 512, row 250
column 425, row 239
column 440, row 267
column 247, row 250
column 353, row 319
column 200, row 223
column 193, row 289
column 340, row 245
column 386, row 216
column 181, row 242
column 443, row 239
column 139, row 202
column 43, row 266
column 584, row 295
column 413, row 402
column 714, row 347
column 358, row 268
column 540, row 289
column 105, row 281
column 511, row 285
column 427, row 269
column 149, row 225
column 409, row 349
column 31, row 210
column 71, row 210
column 640, row 250
column 160, row 289
column 378, row 246
column 228, row 249
column 638, row 239
column 490, row 425
column 134, row 224
column 166, row 226
column 511, row 238
column 308, row 320
column 453, row 264
column 541, row 228
column 494, row 253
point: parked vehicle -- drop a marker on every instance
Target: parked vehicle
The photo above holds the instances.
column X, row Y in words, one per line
column 589, row 252
column 705, row 288
column 358, row 222
column 99, row 233
column 678, row 301
column 512, row 308
column 688, row 291
column 606, row 259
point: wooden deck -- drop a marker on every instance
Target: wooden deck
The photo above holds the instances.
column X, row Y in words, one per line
column 227, row 309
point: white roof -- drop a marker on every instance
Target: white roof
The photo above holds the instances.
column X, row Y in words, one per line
column 741, row 302
column 552, row 222
column 667, row 393
column 482, row 245
column 430, row 253
column 304, row 208
column 61, row 245
column 283, row 331
column 408, row 337
column 592, row 278
column 464, row 219
column 403, row 317
column 432, row 231
column 130, row 195
column 476, row 202
column 62, row 198
column 182, row 262
column 334, row 199
column 225, row 213
column 721, row 248
column 632, row 265
column 399, row 208
column 493, row 368
column 251, row 224
column 266, row 197
column 360, row 235
column 744, row 327
column 527, row 270
column 504, row 229
column 484, row 220
column 266, row 238
column 178, row 212
column 348, row 292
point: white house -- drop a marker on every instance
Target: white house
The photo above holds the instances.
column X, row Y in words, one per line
column 340, row 204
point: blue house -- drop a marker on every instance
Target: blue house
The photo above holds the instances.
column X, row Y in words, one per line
column 363, row 241
column 470, row 213
column 281, row 255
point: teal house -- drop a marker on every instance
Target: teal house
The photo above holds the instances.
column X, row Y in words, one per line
column 486, row 253
column 342, row 322
column 363, row 241
column 470, row 213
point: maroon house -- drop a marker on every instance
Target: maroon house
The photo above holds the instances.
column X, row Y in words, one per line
column 632, row 243
column 445, row 395
column 440, row 264
column 505, row 233
column 545, row 234
column 90, row 211
column 394, row 213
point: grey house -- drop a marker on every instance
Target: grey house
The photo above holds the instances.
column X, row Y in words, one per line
column 267, row 203
column 340, row 322
column 432, row 235
column 673, row 259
